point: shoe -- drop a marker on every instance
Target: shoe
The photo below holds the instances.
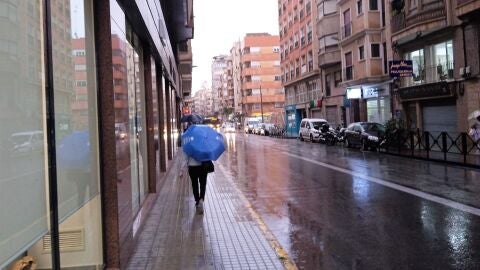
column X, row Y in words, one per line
column 200, row 206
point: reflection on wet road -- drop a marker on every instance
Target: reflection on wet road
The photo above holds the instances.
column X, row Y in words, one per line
column 335, row 208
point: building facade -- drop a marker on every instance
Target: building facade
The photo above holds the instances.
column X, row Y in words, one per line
column 441, row 38
column 299, row 67
column 329, row 62
column 219, row 85
column 91, row 98
column 258, row 71
column 365, row 50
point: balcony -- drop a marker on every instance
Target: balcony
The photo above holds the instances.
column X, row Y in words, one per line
column 328, row 57
column 431, row 74
column 467, row 7
column 403, row 21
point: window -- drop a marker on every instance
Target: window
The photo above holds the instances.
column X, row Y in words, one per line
column 302, row 36
column 348, row 66
column 418, row 62
column 277, row 78
column 375, row 50
column 256, row 106
column 309, row 32
column 276, row 49
column 373, row 4
column 328, row 83
column 359, row 7
column 254, row 49
column 347, row 24
column 80, row 67
column 338, row 78
column 361, row 53
column 81, row 83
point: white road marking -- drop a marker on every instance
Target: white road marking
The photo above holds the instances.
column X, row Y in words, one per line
column 421, row 194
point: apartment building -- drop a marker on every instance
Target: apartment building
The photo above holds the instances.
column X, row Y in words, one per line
column 330, row 62
column 222, row 85
column 441, row 38
column 299, row 67
column 236, row 57
column 365, row 50
column 259, row 71
column 219, row 83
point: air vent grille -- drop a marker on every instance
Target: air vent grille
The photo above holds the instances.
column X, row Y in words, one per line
column 70, row 240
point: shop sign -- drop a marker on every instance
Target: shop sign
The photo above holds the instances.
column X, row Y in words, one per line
column 354, row 93
column 186, row 110
column 316, row 103
column 400, row 68
column 370, row 92
column 292, row 107
column 434, row 90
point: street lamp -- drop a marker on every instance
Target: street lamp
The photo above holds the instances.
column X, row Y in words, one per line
column 261, row 102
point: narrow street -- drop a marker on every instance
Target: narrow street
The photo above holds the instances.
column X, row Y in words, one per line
column 338, row 208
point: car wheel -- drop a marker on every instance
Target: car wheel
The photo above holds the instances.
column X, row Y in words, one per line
column 311, row 138
column 301, row 137
column 347, row 143
column 364, row 146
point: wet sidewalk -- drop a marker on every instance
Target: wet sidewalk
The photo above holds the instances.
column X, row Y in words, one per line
column 229, row 235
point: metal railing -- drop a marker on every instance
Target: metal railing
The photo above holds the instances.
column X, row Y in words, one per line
column 430, row 74
column 457, row 148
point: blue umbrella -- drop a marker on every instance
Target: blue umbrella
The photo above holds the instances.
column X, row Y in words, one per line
column 191, row 118
column 73, row 151
column 203, row 143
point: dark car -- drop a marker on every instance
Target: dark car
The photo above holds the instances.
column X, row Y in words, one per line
column 367, row 135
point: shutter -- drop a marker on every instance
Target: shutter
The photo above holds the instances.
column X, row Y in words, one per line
column 440, row 118
column 331, row 112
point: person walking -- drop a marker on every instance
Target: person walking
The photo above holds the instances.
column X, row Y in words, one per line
column 474, row 132
column 198, row 176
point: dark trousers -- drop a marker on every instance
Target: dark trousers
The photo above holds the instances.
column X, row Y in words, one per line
column 198, row 174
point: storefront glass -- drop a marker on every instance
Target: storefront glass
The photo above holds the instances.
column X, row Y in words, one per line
column 130, row 122
column 76, row 133
column 378, row 110
column 23, row 155
column 155, row 110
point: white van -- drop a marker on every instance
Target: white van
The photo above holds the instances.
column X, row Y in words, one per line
column 310, row 129
column 248, row 124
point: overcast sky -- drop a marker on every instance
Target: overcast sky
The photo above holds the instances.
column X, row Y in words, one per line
column 219, row 23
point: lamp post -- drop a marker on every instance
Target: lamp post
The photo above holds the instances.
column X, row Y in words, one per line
column 261, row 102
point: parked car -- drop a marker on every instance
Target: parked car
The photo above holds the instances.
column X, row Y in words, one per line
column 256, row 128
column 27, row 142
column 367, row 135
column 310, row 129
column 265, row 129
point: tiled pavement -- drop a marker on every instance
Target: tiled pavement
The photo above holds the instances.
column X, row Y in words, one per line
column 229, row 235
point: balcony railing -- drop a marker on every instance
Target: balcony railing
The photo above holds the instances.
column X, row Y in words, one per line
column 401, row 21
column 346, row 30
column 430, row 74
column 348, row 73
